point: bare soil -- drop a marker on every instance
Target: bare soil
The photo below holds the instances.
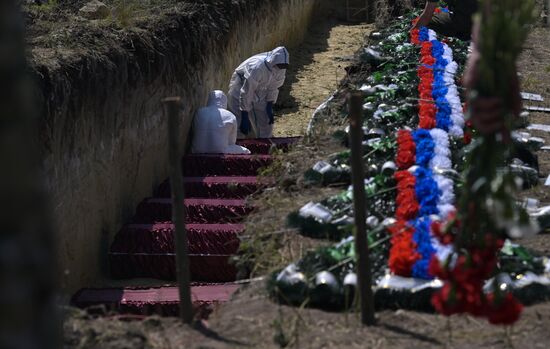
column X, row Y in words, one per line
column 317, row 69
column 251, row 320
column 534, row 67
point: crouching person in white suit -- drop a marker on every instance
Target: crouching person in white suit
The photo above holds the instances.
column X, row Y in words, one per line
column 253, row 90
column 215, row 128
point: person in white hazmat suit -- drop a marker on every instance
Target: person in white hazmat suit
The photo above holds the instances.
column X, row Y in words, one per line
column 215, row 128
column 253, row 90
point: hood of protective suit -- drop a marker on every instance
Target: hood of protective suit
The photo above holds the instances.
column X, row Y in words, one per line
column 277, row 56
column 218, row 99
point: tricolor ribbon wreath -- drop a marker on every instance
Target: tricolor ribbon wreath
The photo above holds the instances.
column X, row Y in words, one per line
column 423, row 196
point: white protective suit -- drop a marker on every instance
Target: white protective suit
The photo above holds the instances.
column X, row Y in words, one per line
column 255, row 82
column 215, row 128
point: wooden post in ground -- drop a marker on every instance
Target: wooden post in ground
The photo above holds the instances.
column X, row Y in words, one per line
column 356, row 7
column 172, row 106
column 371, row 11
column 366, row 299
column 29, row 317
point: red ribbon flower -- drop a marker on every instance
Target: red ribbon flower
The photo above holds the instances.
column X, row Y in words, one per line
column 406, row 202
column 415, row 34
column 504, row 311
column 406, row 150
column 403, row 253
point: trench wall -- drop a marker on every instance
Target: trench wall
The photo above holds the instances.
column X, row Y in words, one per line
column 104, row 135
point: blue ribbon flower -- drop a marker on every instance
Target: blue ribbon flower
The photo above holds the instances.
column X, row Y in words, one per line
column 439, row 87
column 423, row 34
column 427, row 192
column 425, row 147
column 424, row 247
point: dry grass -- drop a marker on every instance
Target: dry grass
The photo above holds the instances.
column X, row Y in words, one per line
column 124, row 13
column 269, row 244
column 386, row 10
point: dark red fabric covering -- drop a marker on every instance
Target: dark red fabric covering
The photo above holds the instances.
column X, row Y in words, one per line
column 197, row 210
column 200, row 165
column 147, row 250
column 263, row 145
column 207, row 268
column 217, row 187
column 161, row 300
column 160, row 238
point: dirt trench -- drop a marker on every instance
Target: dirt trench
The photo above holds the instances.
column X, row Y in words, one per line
column 316, row 71
column 317, row 68
column 103, row 147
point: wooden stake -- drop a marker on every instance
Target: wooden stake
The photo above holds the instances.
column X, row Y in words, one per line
column 172, row 107
column 30, row 314
column 371, row 11
column 359, row 199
